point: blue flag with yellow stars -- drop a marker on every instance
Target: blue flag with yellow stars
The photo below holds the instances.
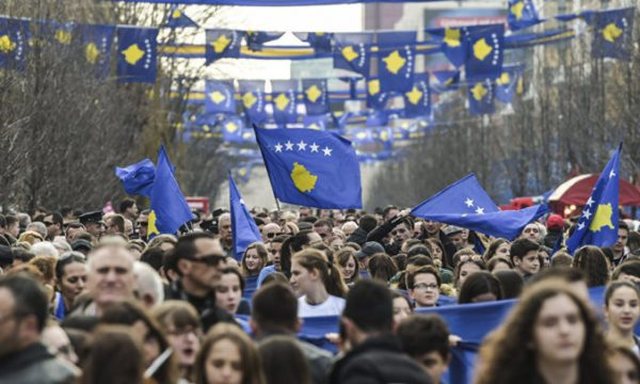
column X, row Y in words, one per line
column 232, row 129
column 311, row 168
column 481, row 97
column 352, row 51
column 485, row 51
column 396, row 62
column 321, row 42
column 14, row 43
column 222, row 43
column 316, row 96
column 137, row 179
column 96, row 46
column 446, row 80
column 613, row 34
column 508, row 82
column 317, row 122
column 169, row 208
column 243, row 227
column 178, row 19
column 219, row 97
column 284, row 101
column 137, row 56
column 376, row 99
column 417, row 101
column 253, row 101
column 522, row 14
column 453, row 43
column 255, row 39
column 598, row 223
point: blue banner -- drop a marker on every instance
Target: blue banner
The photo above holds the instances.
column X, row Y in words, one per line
column 316, row 96
column 321, row 42
column 284, row 101
column 255, row 39
column 222, row 43
column 522, row 14
column 613, row 32
column 417, row 101
column 352, row 52
column 137, row 56
column 481, row 97
column 96, row 46
column 396, row 64
column 485, row 51
column 376, row 99
column 220, row 97
column 14, row 43
column 253, row 100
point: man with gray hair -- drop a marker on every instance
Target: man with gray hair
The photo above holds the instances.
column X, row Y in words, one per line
column 225, row 234
column 148, row 285
column 38, row 227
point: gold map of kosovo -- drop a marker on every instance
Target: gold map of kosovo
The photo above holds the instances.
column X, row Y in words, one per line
column 304, row 180
column 602, row 218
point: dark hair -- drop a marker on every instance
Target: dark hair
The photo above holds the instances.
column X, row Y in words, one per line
column 29, row 297
column 178, row 313
column 411, row 277
column 511, row 283
column 118, row 221
column 477, row 284
column 419, row 249
column 614, row 286
column 275, row 308
column 456, row 272
column 630, row 267
column 401, row 295
column 126, row 204
column 66, row 259
column 368, row 223
column 234, row 271
column 323, row 223
column 561, row 259
column 343, row 256
column 185, row 248
column 633, row 241
column 419, row 261
column 153, row 256
column 494, row 261
column 420, row 334
column 566, row 274
column 22, row 254
column 623, row 225
column 283, row 361
column 592, row 261
column 521, row 247
column 493, row 248
column 275, row 277
column 10, row 220
column 381, row 267
column 369, row 306
column 261, row 250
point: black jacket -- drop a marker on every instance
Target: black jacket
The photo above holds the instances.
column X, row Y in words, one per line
column 378, row 360
column 359, row 236
column 35, row 364
column 210, row 313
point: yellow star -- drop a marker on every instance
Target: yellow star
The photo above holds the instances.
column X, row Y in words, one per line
column 516, row 9
column 282, row 101
column 221, row 43
column 91, row 53
column 414, row 96
column 6, row 45
column 481, row 49
column 63, row 37
column 133, row 54
column 231, row 127
column 313, row 93
column 452, row 37
column 374, row 87
column 349, row 54
column 248, row 99
column 504, row 79
column 217, row 97
column 478, row 91
column 611, row 32
column 394, row 62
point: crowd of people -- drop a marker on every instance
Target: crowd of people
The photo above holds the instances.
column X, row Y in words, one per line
column 87, row 297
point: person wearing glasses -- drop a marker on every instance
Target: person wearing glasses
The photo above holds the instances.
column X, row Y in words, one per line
column 424, row 286
column 269, row 231
column 54, row 223
column 142, row 224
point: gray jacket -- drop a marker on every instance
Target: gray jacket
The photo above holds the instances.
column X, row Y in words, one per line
column 35, row 365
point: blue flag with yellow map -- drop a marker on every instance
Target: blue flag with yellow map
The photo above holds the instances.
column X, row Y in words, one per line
column 219, row 97
column 311, row 168
column 613, row 30
column 137, row 179
column 522, row 14
column 485, row 51
column 376, row 99
column 255, row 39
column 509, row 83
column 481, row 97
column 417, row 101
column 321, row 42
column 284, row 101
column 316, row 96
column 453, row 43
column 351, row 51
column 222, row 43
column 14, row 43
column 137, row 56
column 178, row 19
column 396, row 60
column 253, row 101
column 598, row 223
column 233, row 129
column 96, row 46
column 243, row 228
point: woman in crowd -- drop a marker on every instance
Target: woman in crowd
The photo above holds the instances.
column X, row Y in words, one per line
column 511, row 283
column 283, row 361
column 228, row 356
column 625, row 364
column 498, row 263
column 498, row 247
column 551, row 336
column 402, row 307
column 622, row 311
column 465, row 268
column 71, row 275
column 317, row 283
column 381, row 267
column 254, row 259
column 592, row 261
column 480, row 287
column 348, row 265
column 181, row 324
column 229, row 290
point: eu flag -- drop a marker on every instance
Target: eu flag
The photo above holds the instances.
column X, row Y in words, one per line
column 613, row 34
column 96, row 46
column 598, row 224
column 522, row 14
column 352, row 52
column 178, row 19
column 137, row 56
column 376, row 99
column 311, row 168
column 284, row 101
column 168, row 205
column 316, row 96
column 219, row 97
column 137, row 178
column 485, row 51
column 243, row 227
column 222, row 43
column 417, row 101
column 321, row 42
column 253, row 100
column 255, row 39
column 14, row 43
column 481, row 97
column 453, row 43
column 466, row 204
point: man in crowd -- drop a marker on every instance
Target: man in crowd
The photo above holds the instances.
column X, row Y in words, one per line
column 620, row 247
column 323, row 228
column 54, row 222
column 93, row 223
column 524, row 256
column 424, row 286
column 129, row 209
column 225, row 233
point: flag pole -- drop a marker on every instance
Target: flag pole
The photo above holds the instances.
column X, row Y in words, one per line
column 255, row 128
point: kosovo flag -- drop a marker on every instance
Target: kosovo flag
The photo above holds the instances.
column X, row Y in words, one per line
column 169, row 207
column 507, row 84
column 316, row 122
column 376, row 99
column 522, row 14
column 417, row 101
column 311, row 168
column 14, row 43
column 219, row 97
column 284, row 101
column 395, row 68
column 453, row 43
column 321, row 42
column 232, row 129
column 253, row 101
column 96, row 46
column 613, row 34
column 485, row 51
column 222, row 43
column 243, row 227
column 352, row 52
column 137, row 56
column 137, row 179
column 59, row 34
column 446, row 80
column 256, row 39
column 316, row 96
column 178, row 19
column 481, row 97
column 598, row 224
